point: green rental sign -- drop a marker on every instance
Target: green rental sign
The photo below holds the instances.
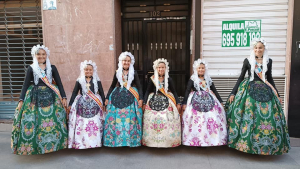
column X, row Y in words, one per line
column 240, row 33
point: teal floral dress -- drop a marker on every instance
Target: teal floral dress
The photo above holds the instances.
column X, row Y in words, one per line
column 123, row 122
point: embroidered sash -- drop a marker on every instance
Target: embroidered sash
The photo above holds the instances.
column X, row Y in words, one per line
column 51, row 86
column 95, row 98
column 259, row 74
column 162, row 90
column 133, row 92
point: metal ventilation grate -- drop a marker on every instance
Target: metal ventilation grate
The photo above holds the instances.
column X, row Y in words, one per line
column 225, row 85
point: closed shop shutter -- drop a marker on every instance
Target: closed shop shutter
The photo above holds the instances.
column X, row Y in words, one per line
column 225, row 63
column 20, row 29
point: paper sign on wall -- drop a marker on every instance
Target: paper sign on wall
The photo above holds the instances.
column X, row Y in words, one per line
column 240, row 33
column 49, row 5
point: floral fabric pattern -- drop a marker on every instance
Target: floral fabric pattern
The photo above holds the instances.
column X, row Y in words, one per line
column 203, row 128
column 256, row 127
column 161, row 128
column 40, row 126
column 123, row 127
column 85, row 123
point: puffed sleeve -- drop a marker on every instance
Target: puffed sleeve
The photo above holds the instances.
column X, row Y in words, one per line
column 241, row 78
column 138, row 85
column 100, row 90
column 112, row 86
column 28, row 79
column 270, row 77
column 187, row 91
column 213, row 88
column 172, row 88
column 75, row 92
column 57, row 79
column 148, row 91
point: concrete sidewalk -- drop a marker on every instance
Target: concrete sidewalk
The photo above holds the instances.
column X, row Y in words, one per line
column 143, row 158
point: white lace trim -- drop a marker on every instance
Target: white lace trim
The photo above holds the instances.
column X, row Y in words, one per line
column 119, row 74
column 37, row 72
column 195, row 76
column 252, row 60
column 81, row 78
column 155, row 65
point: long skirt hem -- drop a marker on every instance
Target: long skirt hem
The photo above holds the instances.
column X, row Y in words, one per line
column 40, row 126
column 251, row 152
column 204, row 121
column 85, row 123
column 256, row 121
column 123, row 122
column 162, row 127
column 212, row 145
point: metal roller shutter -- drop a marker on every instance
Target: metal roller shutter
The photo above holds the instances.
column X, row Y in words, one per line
column 225, row 63
column 20, row 29
column 224, row 85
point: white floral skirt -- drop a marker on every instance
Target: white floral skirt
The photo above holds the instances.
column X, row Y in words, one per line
column 85, row 123
column 161, row 123
column 204, row 121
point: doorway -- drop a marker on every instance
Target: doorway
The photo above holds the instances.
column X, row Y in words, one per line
column 294, row 100
column 158, row 29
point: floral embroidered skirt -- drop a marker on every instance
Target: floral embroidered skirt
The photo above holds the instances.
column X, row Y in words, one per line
column 203, row 121
column 123, row 122
column 40, row 126
column 85, row 123
column 256, row 122
column 161, row 123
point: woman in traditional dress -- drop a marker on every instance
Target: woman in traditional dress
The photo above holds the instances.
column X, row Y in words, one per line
column 40, row 119
column 161, row 123
column 204, row 118
column 86, row 116
column 256, row 120
column 123, row 122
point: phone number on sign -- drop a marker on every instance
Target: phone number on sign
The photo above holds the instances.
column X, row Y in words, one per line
column 238, row 39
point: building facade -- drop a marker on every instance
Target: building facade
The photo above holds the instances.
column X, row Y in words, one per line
column 178, row 30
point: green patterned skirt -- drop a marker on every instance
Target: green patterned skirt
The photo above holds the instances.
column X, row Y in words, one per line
column 40, row 126
column 256, row 122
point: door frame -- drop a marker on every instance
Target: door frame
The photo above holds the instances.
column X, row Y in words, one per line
column 289, row 45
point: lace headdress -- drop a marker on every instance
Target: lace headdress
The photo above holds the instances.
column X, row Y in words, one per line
column 81, row 78
column 122, row 56
column 155, row 65
column 37, row 72
column 195, row 76
column 252, row 60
